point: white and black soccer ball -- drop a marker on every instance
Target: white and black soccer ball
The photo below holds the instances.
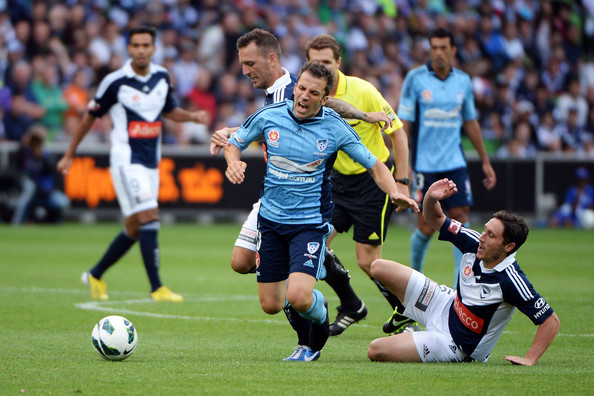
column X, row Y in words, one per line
column 114, row 337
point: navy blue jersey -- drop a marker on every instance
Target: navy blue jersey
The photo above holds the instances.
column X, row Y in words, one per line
column 281, row 89
column 486, row 298
column 300, row 153
column 136, row 104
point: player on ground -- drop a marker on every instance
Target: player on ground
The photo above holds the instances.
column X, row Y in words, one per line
column 136, row 96
column 358, row 200
column 296, row 201
column 464, row 324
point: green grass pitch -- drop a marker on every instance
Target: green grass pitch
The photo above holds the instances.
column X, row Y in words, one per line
column 220, row 342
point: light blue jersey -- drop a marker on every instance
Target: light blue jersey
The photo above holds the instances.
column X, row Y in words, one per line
column 437, row 108
column 300, row 153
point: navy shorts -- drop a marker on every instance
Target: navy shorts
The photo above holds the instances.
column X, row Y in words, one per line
column 360, row 203
column 422, row 182
column 287, row 248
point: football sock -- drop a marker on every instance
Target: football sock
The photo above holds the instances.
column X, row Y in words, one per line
column 339, row 280
column 317, row 313
column 118, row 247
column 298, row 323
column 419, row 243
column 392, row 299
column 149, row 247
column 457, row 259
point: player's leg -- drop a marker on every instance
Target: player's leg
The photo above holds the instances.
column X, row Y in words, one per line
column 421, row 236
column 351, row 309
column 274, row 265
column 243, row 258
column 396, row 348
column 419, row 243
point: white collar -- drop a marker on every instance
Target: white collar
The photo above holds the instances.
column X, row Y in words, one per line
column 509, row 260
column 129, row 71
column 280, row 82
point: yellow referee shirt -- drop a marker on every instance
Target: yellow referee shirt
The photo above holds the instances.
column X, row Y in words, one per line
column 364, row 96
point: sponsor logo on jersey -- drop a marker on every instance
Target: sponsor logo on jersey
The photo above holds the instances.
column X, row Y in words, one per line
column 144, row 129
column 468, row 319
column 273, row 137
column 540, row 303
column 454, row 227
column 322, row 144
column 313, row 247
column 427, row 95
column 542, row 311
column 286, row 176
column 426, row 295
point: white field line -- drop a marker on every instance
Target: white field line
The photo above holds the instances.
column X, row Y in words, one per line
column 111, row 306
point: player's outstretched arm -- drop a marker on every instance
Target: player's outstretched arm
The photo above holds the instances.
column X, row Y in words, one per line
column 65, row 162
column 347, row 110
column 235, row 166
column 220, row 139
column 180, row 115
column 544, row 336
column 432, row 211
column 384, row 179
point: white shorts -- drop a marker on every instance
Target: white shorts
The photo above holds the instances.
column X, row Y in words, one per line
column 136, row 186
column 249, row 230
column 429, row 304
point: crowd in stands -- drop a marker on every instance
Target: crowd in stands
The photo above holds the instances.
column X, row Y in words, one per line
column 531, row 62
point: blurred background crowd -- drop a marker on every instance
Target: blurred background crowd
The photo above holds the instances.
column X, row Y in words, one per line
column 531, row 62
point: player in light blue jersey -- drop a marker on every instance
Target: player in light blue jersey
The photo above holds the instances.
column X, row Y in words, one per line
column 437, row 101
column 302, row 138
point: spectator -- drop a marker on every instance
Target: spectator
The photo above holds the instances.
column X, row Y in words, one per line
column 521, row 144
column 549, row 133
column 40, row 200
column 48, row 94
column 572, row 99
column 578, row 197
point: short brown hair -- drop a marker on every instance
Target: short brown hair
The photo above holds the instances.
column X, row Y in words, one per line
column 265, row 41
column 322, row 41
column 318, row 70
column 514, row 228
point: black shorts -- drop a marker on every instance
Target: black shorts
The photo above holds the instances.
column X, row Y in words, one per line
column 359, row 202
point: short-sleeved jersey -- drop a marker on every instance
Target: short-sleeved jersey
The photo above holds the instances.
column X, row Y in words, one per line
column 437, row 108
column 136, row 104
column 296, row 188
column 364, row 96
column 281, row 89
column 486, row 298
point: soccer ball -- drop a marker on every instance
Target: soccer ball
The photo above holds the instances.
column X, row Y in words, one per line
column 114, row 337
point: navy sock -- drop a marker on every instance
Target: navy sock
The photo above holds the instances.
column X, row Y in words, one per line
column 149, row 247
column 299, row 324
column 392, row 299
column 118, row 247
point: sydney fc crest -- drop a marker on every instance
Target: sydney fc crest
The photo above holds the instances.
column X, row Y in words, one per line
column 312, row 247
column 322, row 144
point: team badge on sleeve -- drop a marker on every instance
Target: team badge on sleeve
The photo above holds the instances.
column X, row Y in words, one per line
column 454, row 227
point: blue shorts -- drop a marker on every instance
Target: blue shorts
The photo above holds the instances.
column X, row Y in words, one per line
column 287, row 248
column 422, row 182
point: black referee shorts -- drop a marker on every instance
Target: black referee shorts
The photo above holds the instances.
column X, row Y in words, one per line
column 359, row 202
